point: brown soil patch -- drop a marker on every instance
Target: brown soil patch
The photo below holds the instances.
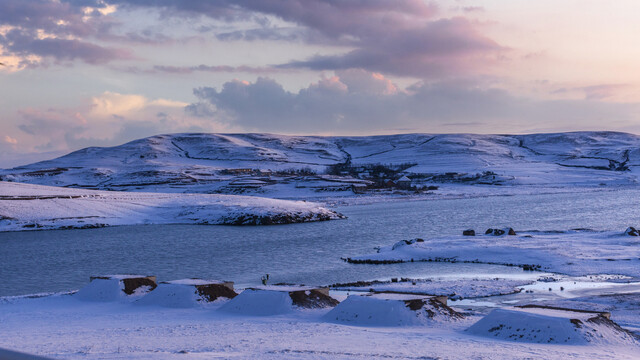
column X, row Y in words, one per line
column 312, row 299
column 211, row 292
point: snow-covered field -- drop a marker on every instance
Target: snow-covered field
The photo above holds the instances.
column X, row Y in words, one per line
column 284, row 166
column 66, row 327
column 35, row 207
column 574, row 252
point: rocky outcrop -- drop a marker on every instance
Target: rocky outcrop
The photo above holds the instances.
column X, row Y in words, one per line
column 500, row 232
column 277, row 219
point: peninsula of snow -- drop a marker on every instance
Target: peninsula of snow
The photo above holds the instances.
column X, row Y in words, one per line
column 35, row 207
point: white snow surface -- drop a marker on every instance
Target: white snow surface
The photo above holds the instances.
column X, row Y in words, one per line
column 33, row 207
column 259, row 303
column 452, row 288
column 572, row 252
column 66, row 328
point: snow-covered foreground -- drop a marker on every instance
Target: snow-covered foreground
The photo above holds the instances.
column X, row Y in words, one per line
column 29, row 207
column 66, row 327
column 574, row 252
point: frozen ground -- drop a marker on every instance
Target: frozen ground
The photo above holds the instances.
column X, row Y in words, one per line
column 575, row 252
column 33, row 207
column 65, row 327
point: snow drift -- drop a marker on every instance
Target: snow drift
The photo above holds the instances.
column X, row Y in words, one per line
column 551, row 326
column 275, row 300
column 117, row 288
column 188, row 293
column 391, row 310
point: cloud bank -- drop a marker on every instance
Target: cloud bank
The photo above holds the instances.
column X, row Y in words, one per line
column 361, row 102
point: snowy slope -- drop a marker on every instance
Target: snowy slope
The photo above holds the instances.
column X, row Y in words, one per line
column 30, row 207
column 193, row 162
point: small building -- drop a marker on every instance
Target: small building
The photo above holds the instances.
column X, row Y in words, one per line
column 403, row 183
column 188, row 293
column 392, row 309
column 116, row 288
column 359, row 188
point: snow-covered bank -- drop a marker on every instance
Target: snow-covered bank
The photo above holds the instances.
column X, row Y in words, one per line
column 33, row 207
column 451, row 288
column 574, row 252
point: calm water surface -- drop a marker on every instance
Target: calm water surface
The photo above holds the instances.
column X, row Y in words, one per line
column 43, row 261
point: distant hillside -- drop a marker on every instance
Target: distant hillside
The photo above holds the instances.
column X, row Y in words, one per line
column 229, row 163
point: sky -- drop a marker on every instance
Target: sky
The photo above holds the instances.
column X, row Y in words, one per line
column 78, row 73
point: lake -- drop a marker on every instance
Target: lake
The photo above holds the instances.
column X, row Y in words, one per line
column 52, row 261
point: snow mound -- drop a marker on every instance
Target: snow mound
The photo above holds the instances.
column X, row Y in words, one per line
column 391, row 310
column 551, row 326
column 117, row 288
column 188, row 293
column 274, row 300
column 259, row 303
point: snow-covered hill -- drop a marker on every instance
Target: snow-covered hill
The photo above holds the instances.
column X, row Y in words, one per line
column 274, row 165
column 37, row 207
